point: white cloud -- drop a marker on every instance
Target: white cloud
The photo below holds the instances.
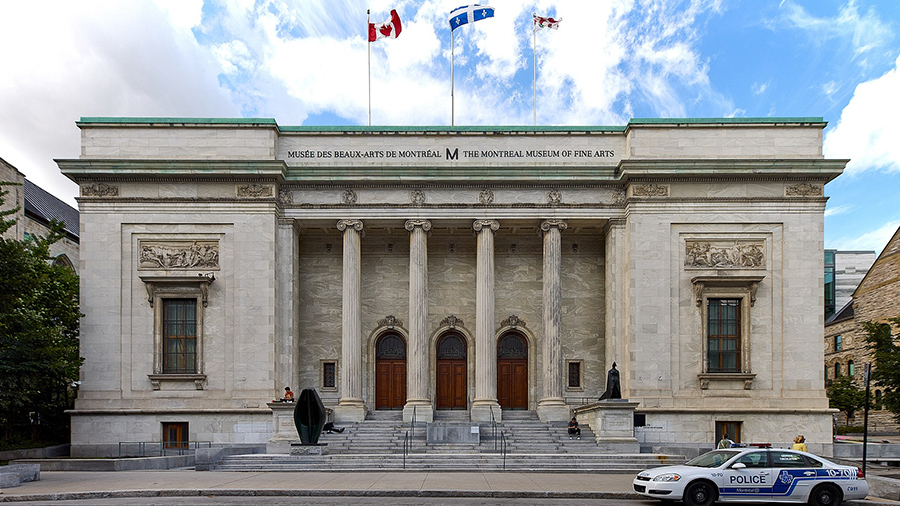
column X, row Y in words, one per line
column 867, row 131
column 830, row 88
column 864, row 31
column 836, row 210
column 759, row 88
column 872, row 240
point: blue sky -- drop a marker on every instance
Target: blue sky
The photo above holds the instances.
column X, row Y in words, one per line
column 303, row 62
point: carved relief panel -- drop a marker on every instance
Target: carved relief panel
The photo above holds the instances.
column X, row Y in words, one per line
column 725, row 254
column 178, row 255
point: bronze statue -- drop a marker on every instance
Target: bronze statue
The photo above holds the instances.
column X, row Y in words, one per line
column 309, row 416
column 613, row 390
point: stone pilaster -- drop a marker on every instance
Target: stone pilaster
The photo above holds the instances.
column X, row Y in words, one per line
column 287, row 306
column 351, row 407
column 616, row 298
column 417, row 401
column 552, row 406
column 485, row 401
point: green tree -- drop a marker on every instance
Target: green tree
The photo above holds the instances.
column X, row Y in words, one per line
column 881, row 341
column 39, row 353
column 844, row 395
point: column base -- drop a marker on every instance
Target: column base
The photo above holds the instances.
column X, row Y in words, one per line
column 423, row 410
column 481, row 411
column 553, row 410
column 350, row 411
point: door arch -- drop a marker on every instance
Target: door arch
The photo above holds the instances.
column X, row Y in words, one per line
column 512, row 371
column 451, row 387
column 390, row 371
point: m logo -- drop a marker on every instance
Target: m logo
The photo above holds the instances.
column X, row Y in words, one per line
column 454, row 155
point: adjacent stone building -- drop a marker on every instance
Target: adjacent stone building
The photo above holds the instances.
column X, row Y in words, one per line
column 433, row 269
column 876, row 299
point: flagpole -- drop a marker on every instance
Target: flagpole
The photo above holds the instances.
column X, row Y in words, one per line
column 534, row 72
column 452, row 100
column 369, row 64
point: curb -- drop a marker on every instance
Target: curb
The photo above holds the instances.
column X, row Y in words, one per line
column 499, row 494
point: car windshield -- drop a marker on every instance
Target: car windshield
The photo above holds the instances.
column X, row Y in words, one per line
column 712, row 459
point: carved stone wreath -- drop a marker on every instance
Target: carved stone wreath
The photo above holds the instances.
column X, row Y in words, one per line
column 286, row 197
column 417, row 197
column 651, row 190
column 618, row 197
column 803, row 190
column 486, row 197
column 349, row 197
column 554, row 197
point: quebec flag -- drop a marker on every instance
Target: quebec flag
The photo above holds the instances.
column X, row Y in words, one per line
column 469, row 14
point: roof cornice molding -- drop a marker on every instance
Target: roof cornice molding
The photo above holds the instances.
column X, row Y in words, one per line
column 719, row 169
column 82, row 170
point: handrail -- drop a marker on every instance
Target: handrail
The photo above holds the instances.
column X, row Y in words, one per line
column 406, row 444
column 413, row 423
column 493, row 428
column 160, row 448
column 503, row 448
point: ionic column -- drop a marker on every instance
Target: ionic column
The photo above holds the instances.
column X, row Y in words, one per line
column 417, row 374
column 552, row 406
column 485, row 348
column 616, row 332
column 351, row 407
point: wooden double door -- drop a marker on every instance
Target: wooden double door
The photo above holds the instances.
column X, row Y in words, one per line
column 451, row 390
column 390, row 372
column 512, row 371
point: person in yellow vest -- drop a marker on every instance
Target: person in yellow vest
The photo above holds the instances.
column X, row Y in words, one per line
column 799, row 443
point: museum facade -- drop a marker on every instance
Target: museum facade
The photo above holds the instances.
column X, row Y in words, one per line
column 437, row 269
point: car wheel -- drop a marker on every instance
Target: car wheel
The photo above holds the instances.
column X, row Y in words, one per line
column 825, row 495
column 699, row 494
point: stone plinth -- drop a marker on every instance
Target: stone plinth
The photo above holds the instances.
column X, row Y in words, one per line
column 453, row 433
column 612, row 422
column 284, row 432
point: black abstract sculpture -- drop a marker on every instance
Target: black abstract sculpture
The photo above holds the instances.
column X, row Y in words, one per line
column 309, row 416
column 613, row 390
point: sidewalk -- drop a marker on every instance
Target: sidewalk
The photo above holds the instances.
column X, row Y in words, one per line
column 82, row 485
column 73, row 485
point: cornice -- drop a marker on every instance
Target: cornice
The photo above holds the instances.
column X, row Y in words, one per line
column 87, row 170
column 720, row 169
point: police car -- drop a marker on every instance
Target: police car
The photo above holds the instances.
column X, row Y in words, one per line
column 753, row 475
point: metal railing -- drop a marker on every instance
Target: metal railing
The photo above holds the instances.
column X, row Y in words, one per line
column 494, row 428
column 159, row 448
column 407, row 442
column 412, row 424
column 503, row 448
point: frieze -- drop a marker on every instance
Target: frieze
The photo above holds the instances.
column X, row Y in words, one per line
column 486, row 197
column 254, row 191
column 179, row 255
column 286, row 197
column 513, row 321
column 452, row 321
column 724, row 255
column 650, row 190
column 99, row 190
column 803, row 190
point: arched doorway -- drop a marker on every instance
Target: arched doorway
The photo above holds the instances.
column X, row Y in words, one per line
column 451, row 385
column 390, row 372
column 512, row 371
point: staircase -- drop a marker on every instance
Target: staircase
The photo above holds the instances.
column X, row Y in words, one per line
column 377, row 444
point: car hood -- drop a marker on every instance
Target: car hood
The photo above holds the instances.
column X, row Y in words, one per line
column 656, row 471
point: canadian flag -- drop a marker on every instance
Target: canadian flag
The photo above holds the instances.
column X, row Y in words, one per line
column 390, row 28
column 541, row 22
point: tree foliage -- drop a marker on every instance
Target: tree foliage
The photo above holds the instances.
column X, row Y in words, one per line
column 39, row 347
column 844, row 395
column 881, row 341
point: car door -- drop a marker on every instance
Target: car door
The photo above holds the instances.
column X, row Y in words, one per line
column 794, row 475
column 749, row 477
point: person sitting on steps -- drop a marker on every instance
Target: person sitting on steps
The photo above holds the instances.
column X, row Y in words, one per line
column 574, row 430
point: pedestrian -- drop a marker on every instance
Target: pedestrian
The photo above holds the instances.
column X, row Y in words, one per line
column 288, row 395
column 799, row 443
column 574, row 430
column 725, row 442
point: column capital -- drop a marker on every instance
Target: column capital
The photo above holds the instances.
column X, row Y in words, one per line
column 354, row 224
column 546, row 225
column 411, row 224
column 478, row 225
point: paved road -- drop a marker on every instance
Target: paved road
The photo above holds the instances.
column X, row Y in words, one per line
column 340, row 501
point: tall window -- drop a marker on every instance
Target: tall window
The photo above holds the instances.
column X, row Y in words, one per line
column 837, row 370
column 730, row 429
column 574, row 374
column 329, row 375
column 838, row 344
column 850, row 369
column 179, row 336
column 830, row 297
column 724, row 335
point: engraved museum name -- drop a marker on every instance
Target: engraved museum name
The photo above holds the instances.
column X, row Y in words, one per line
column 451, row 154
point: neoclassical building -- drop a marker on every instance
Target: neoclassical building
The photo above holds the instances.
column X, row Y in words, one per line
column 431, row 269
